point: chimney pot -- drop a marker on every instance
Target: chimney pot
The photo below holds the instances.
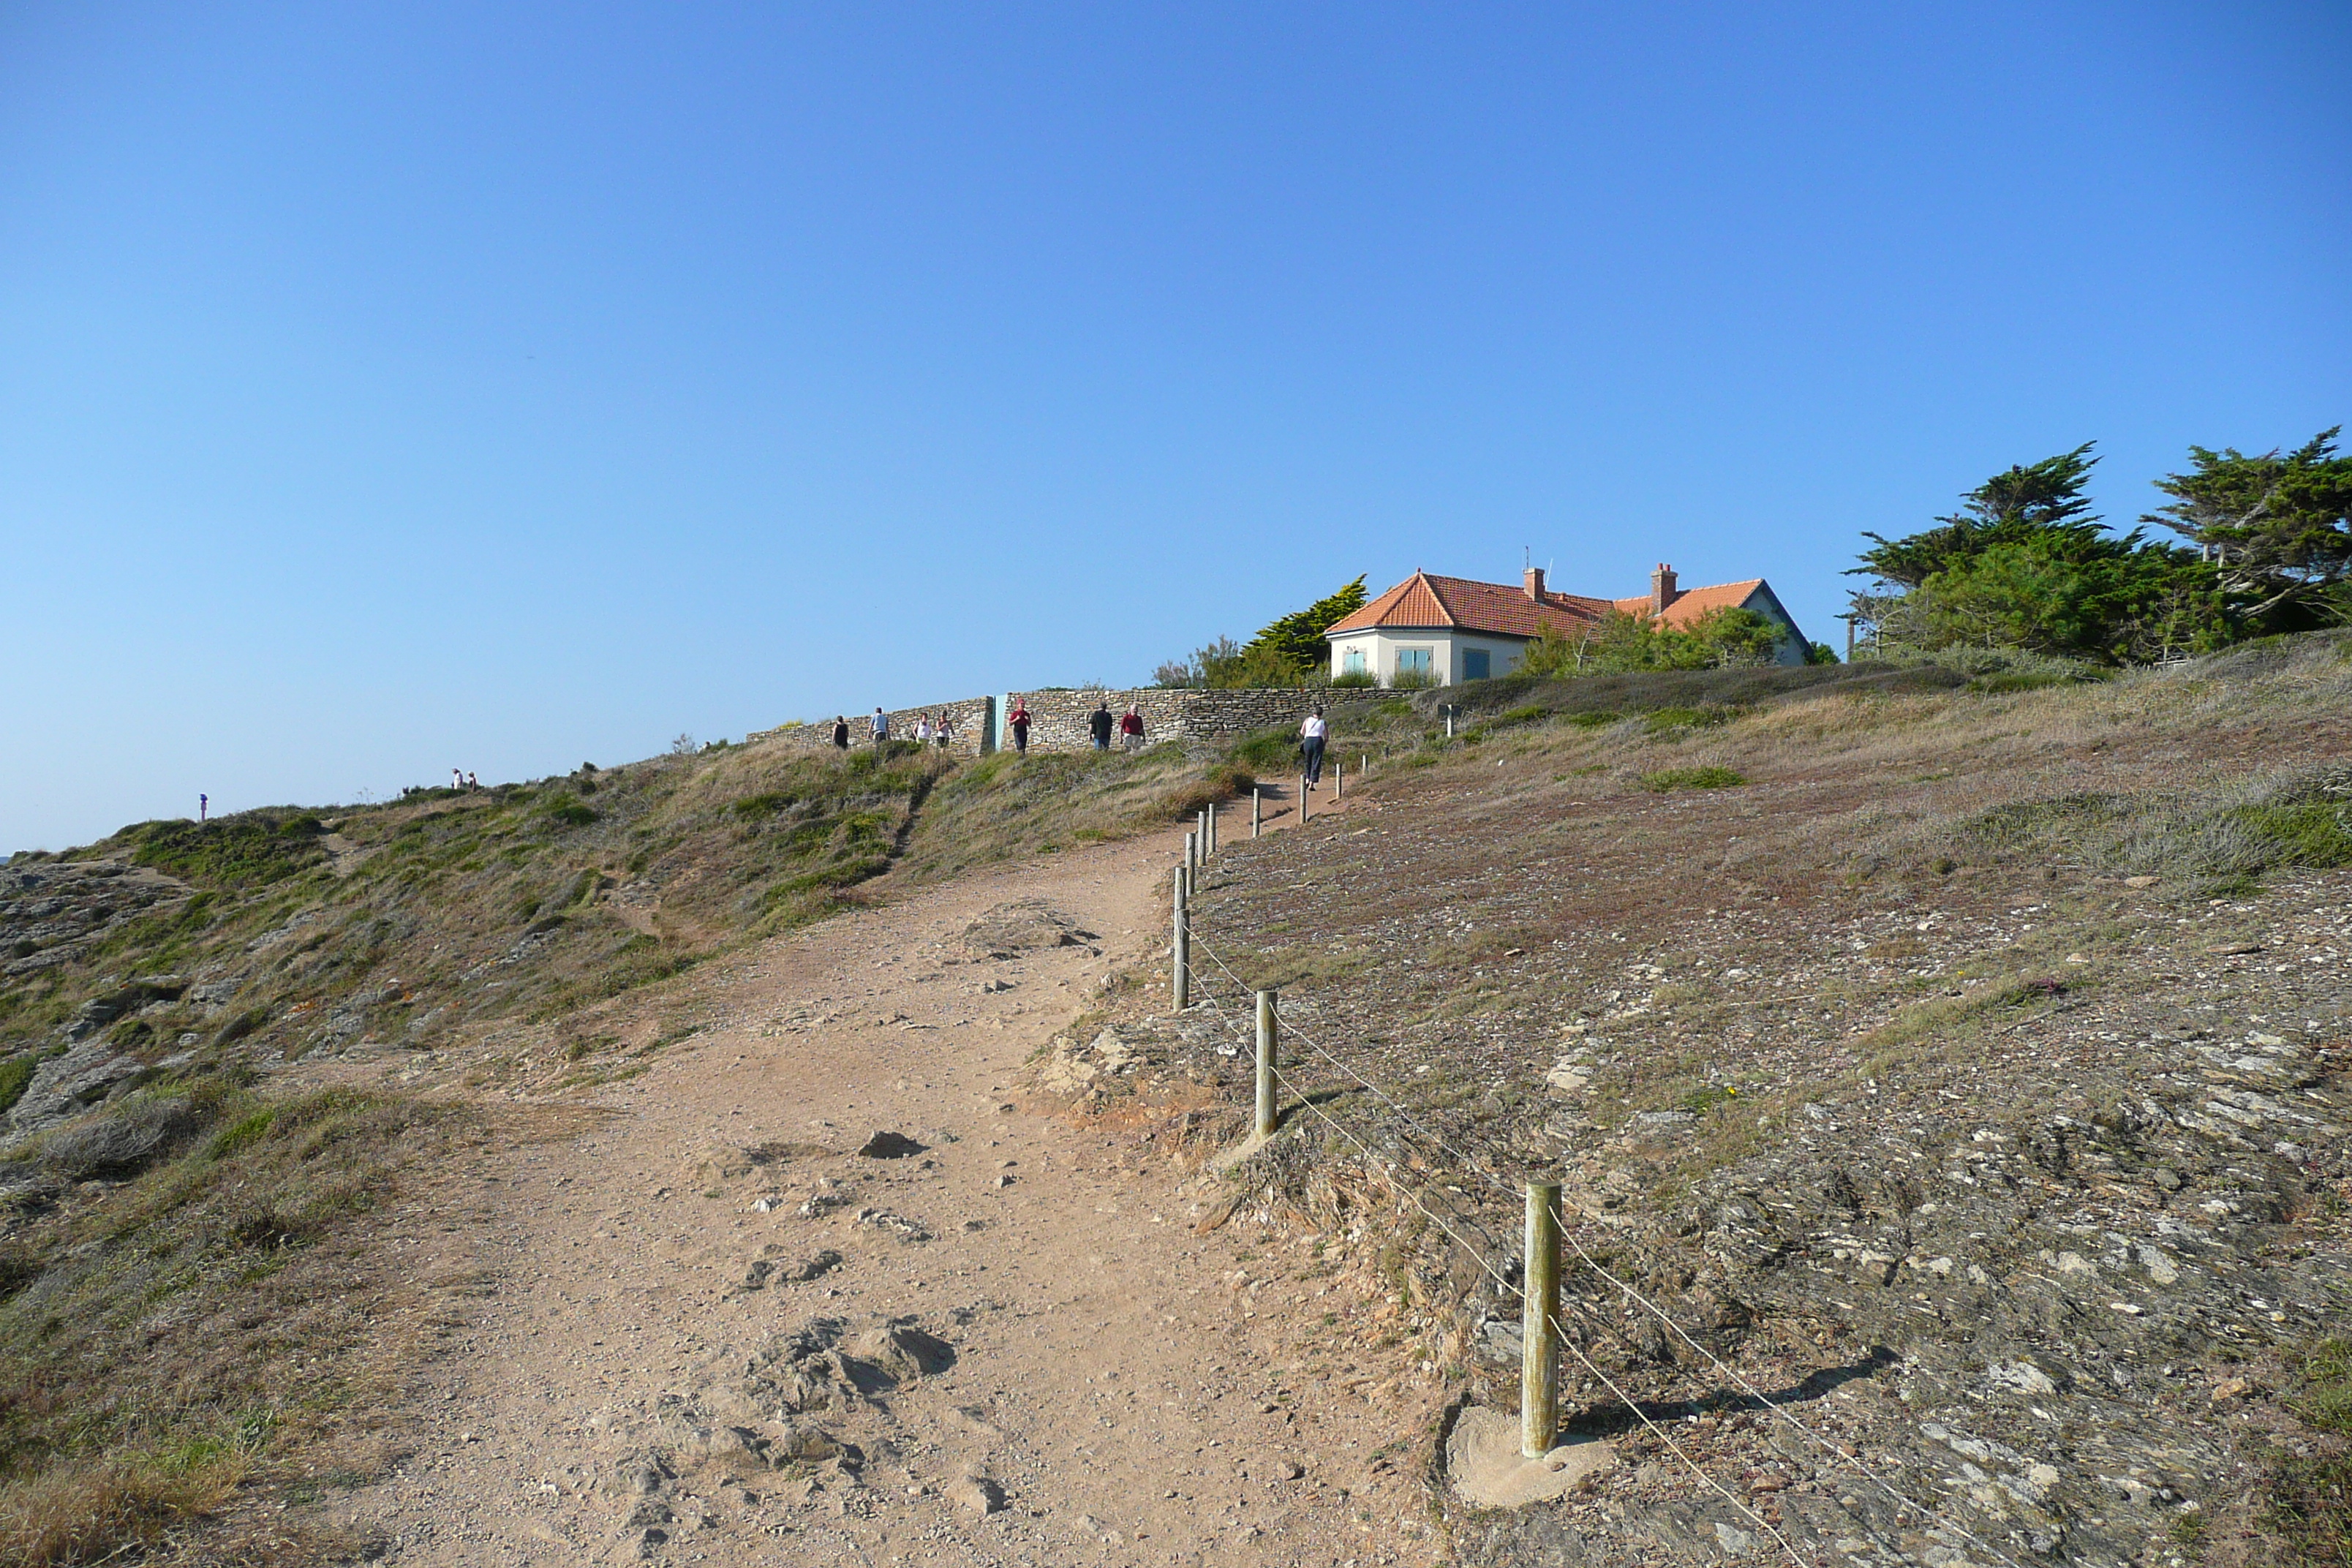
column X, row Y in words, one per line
column 1535, row 584
column 1662, row 589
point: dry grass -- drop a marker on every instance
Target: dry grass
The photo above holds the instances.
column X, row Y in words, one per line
column 94, row 1510
column 224, row 1316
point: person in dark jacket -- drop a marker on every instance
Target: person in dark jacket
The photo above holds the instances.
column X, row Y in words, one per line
column 1099, row 725
column 841, row 731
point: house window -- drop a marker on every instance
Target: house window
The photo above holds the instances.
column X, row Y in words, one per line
column 1414, row 661
column 1474, row 664
column 1352, row 662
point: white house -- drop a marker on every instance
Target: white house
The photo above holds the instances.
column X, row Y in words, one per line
column 1449, row 629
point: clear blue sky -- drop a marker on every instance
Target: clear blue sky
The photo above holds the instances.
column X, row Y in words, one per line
column 389, row 387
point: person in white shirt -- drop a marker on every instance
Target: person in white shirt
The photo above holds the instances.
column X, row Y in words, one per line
column 1311, row 736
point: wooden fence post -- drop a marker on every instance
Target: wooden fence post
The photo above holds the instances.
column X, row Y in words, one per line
column 1538, row 1320
column 1179, row 948
column 1267, row 1032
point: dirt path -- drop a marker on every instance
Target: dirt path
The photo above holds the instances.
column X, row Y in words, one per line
column 1060, row 1372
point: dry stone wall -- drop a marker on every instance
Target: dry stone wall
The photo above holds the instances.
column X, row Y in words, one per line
column 969, row 722
column 1058, row 719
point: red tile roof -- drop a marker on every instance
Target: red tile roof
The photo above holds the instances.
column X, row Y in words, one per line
column 1422, row 602
column 1692, row 603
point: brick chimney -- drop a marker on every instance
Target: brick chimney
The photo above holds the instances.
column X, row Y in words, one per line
column 1535, row 584
column 1662, row 589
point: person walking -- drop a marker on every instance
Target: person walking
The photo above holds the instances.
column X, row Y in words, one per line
column 881, row 726
column 841, row 731
column 471, row 785
column 1131, row 730
column 1098, row 724
column 923, row 730
column 1312, row 734
column 1019, row 720
column 944, row 731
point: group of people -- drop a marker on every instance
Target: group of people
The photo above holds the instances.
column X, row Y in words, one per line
column 929, row 731
column 1130, row 725
column 1101, row 725
column 460, row 779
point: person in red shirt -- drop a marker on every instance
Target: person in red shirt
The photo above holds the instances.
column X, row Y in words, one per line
column 1019, row 720
column 1130, row 729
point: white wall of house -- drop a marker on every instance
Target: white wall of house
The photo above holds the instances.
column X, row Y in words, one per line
column 1446, row 654
column 1792, row 647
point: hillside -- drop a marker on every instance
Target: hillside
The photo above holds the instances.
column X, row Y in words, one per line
column 1964, row 1069
column 228, row 1051
column 1954, row 1053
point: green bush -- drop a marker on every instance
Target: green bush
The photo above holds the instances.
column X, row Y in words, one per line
column 1355, row 681
column 15, row 1073
column 1692, row 778
column 1591, row 721
column 1267, row 749
column 569, row 813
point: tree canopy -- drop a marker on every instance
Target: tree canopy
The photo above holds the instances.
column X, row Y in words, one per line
column 1287, row 651
column 2025, row 563
column 1620, row 642
column 2277, row 528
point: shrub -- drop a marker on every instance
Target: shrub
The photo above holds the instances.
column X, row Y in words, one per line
column 1355, row 681
column 15, row 1073
column 1591, row 721
column 569, row 813
column 1276, row 749
column 1692, row 778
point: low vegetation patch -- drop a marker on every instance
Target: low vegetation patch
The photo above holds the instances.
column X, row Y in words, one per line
column 1691, row 778
column 165, row 1339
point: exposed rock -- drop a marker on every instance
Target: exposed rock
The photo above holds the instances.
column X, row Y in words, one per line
column 892, row 1224
column 1022, row 926
column 976, row 1494
column 118, row 1144
column 768, row 1266
column 66, row 1084
column 890, row 1146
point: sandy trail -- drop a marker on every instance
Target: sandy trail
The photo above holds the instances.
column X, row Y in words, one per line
column 1129, row 1398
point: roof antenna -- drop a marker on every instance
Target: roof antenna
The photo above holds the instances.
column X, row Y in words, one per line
column 1527, row 557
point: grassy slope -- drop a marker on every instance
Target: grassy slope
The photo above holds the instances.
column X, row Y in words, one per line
column 192, row 1295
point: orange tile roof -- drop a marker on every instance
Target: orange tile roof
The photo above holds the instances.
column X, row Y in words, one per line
column 1424, row 601
column 1692, row 603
